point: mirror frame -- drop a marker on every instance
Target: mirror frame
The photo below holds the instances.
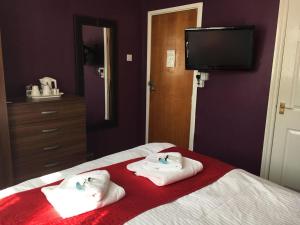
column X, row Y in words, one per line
column 79, row 21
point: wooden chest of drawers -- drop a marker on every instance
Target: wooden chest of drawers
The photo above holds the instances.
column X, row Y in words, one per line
column 46, row 136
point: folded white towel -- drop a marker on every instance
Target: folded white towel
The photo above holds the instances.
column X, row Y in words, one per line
column 167, row 161
column 160, row 178
column 91, row 184
column 67, row 206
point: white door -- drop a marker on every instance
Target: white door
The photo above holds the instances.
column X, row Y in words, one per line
column 285, row 157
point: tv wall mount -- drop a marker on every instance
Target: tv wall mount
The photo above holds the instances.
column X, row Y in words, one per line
column 201, row 78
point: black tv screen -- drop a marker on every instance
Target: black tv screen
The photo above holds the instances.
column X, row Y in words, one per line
column 225, row 48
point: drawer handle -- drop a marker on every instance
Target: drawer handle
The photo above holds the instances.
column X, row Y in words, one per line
column 50, row 165
column 49, row 130
column 48, row 112
column 51, row 148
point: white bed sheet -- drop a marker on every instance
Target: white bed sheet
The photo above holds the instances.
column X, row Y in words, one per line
column 236, row 198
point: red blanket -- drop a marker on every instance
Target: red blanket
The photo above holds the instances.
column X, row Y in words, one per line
column 31, row 207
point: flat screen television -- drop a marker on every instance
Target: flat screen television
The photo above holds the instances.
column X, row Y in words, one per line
column 219, row 48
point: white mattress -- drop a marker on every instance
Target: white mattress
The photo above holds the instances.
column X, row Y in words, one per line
column 236, row 198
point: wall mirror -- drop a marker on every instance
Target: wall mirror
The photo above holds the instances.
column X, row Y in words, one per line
column 95, row 46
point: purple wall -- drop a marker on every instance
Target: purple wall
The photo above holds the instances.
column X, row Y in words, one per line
column 231, row 109
column 38, row 40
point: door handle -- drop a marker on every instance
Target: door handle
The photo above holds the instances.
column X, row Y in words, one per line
column 50, row 148
column 151, row 85
column 49, row 130
column 282, row 107
column 48, row 112
column 50, row 165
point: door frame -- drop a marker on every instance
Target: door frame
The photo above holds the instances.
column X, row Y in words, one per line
column 274, row 88
column 199, row 7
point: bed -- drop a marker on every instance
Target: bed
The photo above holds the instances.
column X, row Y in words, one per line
column 237, row 197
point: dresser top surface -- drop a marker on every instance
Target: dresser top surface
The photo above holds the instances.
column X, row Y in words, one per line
column 24, row 100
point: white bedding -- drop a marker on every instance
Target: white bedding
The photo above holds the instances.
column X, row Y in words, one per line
column 236, row 198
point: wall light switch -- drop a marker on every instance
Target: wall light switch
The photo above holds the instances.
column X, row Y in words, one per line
column 171, row 58
column 129, row 57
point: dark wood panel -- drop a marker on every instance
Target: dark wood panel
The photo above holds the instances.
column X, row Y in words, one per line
column 44, row 111
column 53, row 145
column 49, row 141
column 42, row 132
column 25, row 170
column 63, row 149
column 5, row 153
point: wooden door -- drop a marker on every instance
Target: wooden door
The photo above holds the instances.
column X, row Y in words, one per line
column 171, row 87
column 5, row 154
column 285, row 157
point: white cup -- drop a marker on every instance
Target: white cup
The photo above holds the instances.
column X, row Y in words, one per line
column 55, row 91
column 46, row 90
column 35, row 91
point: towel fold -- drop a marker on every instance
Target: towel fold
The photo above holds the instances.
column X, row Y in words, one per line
column 190, row 168
column 82, row 193
column 167, row 161
column 92, row 184
column 67, row 206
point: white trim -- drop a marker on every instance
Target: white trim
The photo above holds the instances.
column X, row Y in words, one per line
column 106, row 96
column 199, row 7
column 193, row 112
column 274, row 88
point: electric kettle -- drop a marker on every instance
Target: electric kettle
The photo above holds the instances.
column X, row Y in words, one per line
column 48, row 81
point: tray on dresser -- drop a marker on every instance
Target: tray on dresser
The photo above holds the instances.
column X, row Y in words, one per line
column 47, row 96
